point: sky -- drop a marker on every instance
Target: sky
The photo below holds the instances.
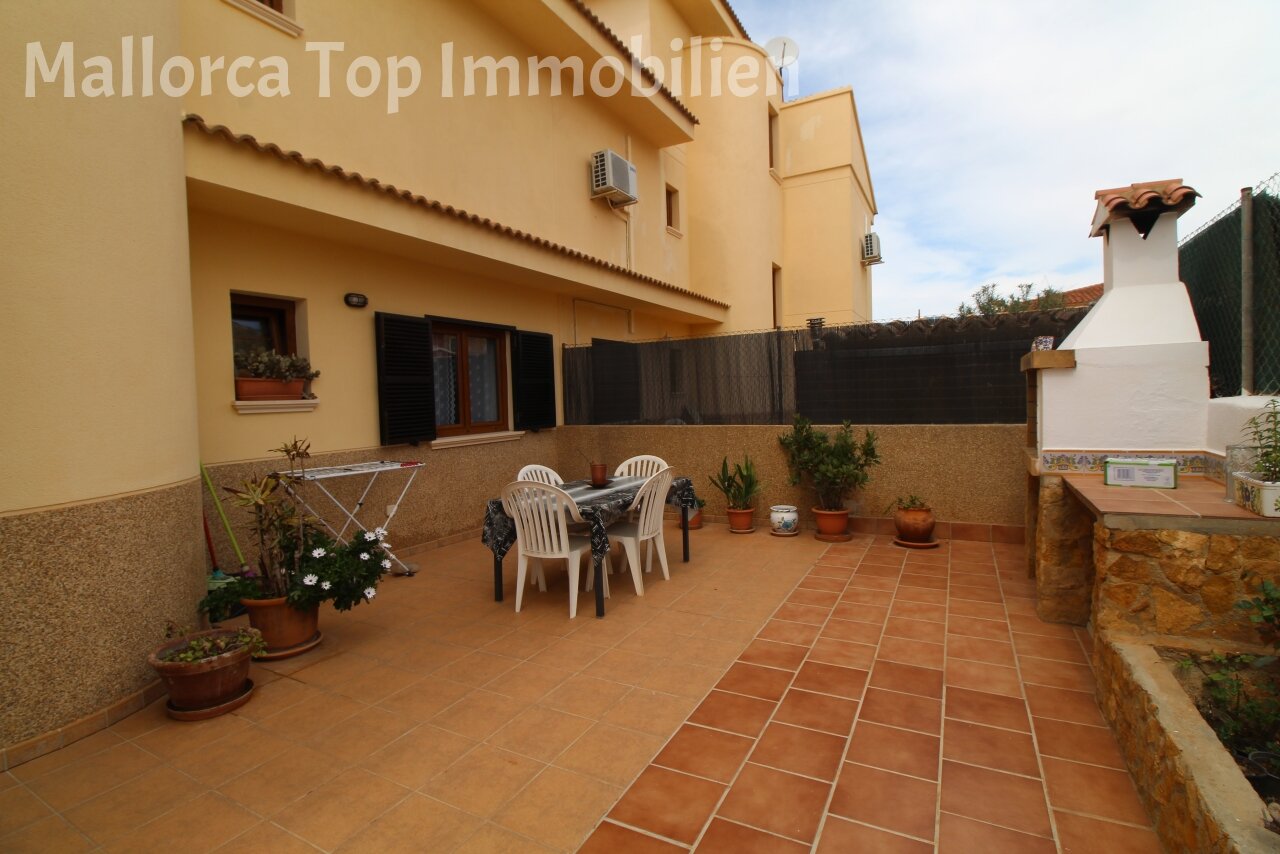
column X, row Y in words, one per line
column 990, row 124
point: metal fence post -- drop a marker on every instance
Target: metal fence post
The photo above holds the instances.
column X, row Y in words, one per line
column 1246, row 290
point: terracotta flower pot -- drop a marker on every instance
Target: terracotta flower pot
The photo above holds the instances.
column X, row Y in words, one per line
column 832, row 525
column 740, row 521
column 914, row 526
column 207, row 688
column 695, row 519
column 599, row 474
column 286, row 630
column 257, row 388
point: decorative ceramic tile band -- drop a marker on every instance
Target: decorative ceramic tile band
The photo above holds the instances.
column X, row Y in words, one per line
column 1090, row 462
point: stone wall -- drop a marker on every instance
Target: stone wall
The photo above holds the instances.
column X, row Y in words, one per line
column 1063, row 554
column 1182, row 583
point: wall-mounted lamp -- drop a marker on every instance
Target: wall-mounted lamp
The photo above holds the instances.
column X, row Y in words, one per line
column 355, row 300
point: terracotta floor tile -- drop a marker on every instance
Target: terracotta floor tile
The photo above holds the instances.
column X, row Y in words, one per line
column 884, row 799
column 119, row 811
column 568, row 654
column 920, row 594
column 919, row 611
column 918, row 653
column 479, row 714
column 705, row 752
column 727, row 837
column 844, row 837
column 1092, row 744
column 843, row 653
column 977, row 649
column 610, row 838
column 978, row 611
column 585, row 695
column 784, row 631
column 906, row 711
column 204, row 823
column 1058, row 649
column 1056, row 674
column 800, row 751
column 931, row 582
column 231, row 756
column 802, row 614
column 331, row 813
column 921, row 630
column 620, row 665
column 995, row 797
column 987, row 678
column 900, row 750
column 651, row 711
column 976, row 627
column 418, row 755
column 874, row 569
column 852, row 630
column 1082, row 835
column 423, row 700
column 772, row 654
column 559, row 808
column 278, row 782
column 822, row 582
column 871, row 582
column 990, row 747
column 416, row 823
column 733, row 713
column 817, row 711
column 48, row 834
column 50, row 762
column 367, row 731
column 960, row 835
column 858, row 612
column 907, row 679
column 491, row 839
column 863, row 596
column 1102, row 792
column 767, row 683
column 19, row 808
column 308, row 718
column 91, row 776
column 827, row 568
column 819, row 598
column 483, row 780
column 1063, row 705
column 668, row 803
column 822, row 678
column 610, row 753
column 528, row 681
column 980, row 707
column 777, row 802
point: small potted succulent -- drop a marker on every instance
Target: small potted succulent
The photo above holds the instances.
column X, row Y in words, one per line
column 268, row 375
column 833, row 466
column 914, row 522
column 206, row 673
column 1259, row 489
column 740, row 487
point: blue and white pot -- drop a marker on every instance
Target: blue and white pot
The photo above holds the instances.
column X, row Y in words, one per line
column 784, row 520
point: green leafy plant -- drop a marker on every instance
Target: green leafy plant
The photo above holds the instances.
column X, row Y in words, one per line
column 1245, row 713
column 1264, row 431
column 210, row 646
column 911, row 502
column 1264, row 612
column 988, row 302
column 834, row 466
column 270, row 365
column 740, row 486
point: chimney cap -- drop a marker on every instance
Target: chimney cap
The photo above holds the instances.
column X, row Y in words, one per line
column 1149, row 197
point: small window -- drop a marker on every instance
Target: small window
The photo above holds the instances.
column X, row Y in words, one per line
column 262, row 323
column 278, row 5
column 673, row 208
column 469, row 365
column 773, row 138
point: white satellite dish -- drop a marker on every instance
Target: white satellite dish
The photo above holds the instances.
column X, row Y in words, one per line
column 782, row 50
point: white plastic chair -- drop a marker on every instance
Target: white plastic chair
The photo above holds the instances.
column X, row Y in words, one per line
column 644, row 526
column 645, row 465
column 541, row 474
column 542, row 513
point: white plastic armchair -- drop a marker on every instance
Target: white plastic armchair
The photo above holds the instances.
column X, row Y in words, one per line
column 541, row 474
column 644, row 526
column 542, row 513
column 645, row 465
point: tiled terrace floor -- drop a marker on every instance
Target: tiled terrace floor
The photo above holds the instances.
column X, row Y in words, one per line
column 862, row 698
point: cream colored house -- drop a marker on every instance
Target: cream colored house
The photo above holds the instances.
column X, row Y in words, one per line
column 185, row 179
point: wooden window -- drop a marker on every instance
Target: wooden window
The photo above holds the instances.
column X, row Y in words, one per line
column 773, row 138
column 469, row 364
column 278, row 5
column 673, row 208
column 262, row 323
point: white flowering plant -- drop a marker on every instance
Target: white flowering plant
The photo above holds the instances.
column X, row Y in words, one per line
column 343, row 573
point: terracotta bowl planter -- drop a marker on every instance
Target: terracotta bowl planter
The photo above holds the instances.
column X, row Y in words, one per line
column 740, row 521
column 286, row 630
column 203, row 689
column 832, row 525
column 914, row 526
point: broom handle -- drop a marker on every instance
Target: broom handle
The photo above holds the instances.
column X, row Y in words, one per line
column 222, row 514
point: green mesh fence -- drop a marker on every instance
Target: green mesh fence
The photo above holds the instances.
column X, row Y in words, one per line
column 1210, row 264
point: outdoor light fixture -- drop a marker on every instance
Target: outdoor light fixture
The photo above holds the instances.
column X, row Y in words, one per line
column 355, row 300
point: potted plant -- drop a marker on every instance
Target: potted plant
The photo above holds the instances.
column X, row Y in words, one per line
column 740, row 487
column 833, row 466
column 913, row 519
column 1259, row 490
column 206, row 673
column 299, row 566
column 695, row 517
column 268, row 375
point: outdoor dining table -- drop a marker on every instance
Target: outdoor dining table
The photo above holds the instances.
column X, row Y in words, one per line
column 600, row 507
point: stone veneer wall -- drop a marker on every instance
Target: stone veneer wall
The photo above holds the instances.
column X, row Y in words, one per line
column 87, row 589
column 1182, row 583
column 1063, row 554
column 1196, row 796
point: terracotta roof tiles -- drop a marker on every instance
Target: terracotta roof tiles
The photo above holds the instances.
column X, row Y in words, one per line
column 1169, row 193
column 1087, row 295
column 222, row 131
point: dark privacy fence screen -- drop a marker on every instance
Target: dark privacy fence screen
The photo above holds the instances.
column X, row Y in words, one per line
column 1209, row 262
column 929, row 371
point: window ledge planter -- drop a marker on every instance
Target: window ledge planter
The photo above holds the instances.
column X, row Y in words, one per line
column 1258, row 495
column 262, row 388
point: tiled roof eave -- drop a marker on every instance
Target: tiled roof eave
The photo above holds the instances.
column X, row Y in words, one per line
column 223, row 132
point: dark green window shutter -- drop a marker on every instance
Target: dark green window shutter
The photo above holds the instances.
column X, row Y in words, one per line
column 406, row 386
column 533, row 375
column 615, row 380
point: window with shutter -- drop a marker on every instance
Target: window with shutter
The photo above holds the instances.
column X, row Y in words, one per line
column 406, row 390
column 533, row 374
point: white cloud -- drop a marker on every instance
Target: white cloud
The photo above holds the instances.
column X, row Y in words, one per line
column 989, row 125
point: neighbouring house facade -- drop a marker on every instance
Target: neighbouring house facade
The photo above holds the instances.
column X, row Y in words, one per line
column 190, row 180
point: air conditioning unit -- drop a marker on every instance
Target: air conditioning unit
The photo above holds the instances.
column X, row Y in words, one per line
column 871, row 249
column 613, row 178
